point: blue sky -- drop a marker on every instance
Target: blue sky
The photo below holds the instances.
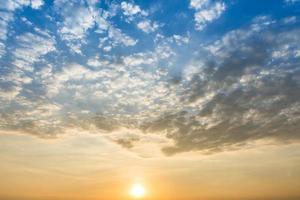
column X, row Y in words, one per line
column 202, row 75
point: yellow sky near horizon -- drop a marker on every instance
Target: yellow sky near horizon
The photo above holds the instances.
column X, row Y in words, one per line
column 86, row 166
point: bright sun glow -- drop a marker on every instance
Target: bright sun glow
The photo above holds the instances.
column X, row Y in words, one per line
column 138, row 191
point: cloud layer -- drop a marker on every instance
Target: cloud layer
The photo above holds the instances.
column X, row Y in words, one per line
column 106, row 67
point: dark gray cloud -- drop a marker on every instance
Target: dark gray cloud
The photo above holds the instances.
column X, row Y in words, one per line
column 128, row 141
column 252, row 79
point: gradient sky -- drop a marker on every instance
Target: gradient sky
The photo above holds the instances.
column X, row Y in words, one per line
column 195, row 99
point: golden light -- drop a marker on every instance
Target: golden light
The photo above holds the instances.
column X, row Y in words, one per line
column 138, row 191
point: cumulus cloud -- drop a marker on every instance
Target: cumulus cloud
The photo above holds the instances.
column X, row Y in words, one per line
column 147, row 26
column 12, row 5
column 206, row 12
column 36, row 4
column 181, row 39
column 130, row 10
column 134, row 13
column 77, row 20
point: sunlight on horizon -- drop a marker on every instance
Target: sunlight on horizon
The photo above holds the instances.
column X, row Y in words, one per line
column 138, row 191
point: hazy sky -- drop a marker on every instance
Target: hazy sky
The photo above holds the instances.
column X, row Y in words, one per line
column 194, row 99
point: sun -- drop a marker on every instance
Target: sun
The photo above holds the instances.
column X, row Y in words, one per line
column 138, row 191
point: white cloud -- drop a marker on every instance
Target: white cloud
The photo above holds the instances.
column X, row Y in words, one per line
column 130, row 9
column 30, row 48
column 76, row 23
column 139, row 59
column 12, row 5
column 198, row 4
column 119, row 37
column 77, row 20
column 72, row 72
column 37, row 4
column 181, row 39
column 147, row 26
column 97, row 62
column 206, row 12
column 290, row 20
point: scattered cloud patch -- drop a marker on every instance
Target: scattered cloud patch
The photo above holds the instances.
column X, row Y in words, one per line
column 30, row 49
column 121, row 38
column 147, row 26
column 181, row 39
column 206, row 11
column 77, row 20
column 130, row 10
column 290, row 20
column 37, row 4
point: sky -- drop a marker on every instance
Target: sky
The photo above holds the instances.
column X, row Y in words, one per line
column 201, row 97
